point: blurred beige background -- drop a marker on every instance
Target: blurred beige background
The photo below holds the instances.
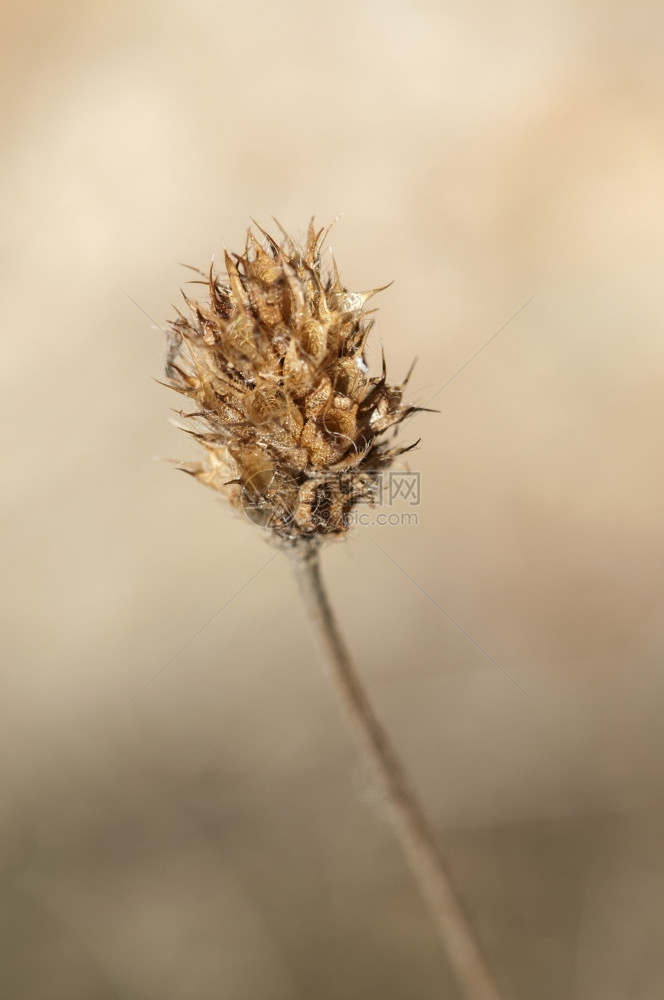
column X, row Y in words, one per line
column 216, row 836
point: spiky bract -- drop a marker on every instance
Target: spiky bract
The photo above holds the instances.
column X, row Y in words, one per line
column 292, row 425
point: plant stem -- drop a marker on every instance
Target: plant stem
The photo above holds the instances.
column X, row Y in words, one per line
column 408, row 820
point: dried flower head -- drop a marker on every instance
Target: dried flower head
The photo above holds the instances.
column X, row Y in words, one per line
column 294, row 429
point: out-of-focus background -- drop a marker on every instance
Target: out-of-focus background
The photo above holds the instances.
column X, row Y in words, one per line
column 216, row 836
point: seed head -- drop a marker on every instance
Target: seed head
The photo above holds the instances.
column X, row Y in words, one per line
column 295, row 431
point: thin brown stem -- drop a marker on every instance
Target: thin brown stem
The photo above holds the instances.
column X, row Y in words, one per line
column 408, row 820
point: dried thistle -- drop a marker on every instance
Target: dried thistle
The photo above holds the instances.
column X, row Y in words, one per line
column 295, row 430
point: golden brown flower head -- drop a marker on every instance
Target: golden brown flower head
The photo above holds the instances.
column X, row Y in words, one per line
column 292, row 425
